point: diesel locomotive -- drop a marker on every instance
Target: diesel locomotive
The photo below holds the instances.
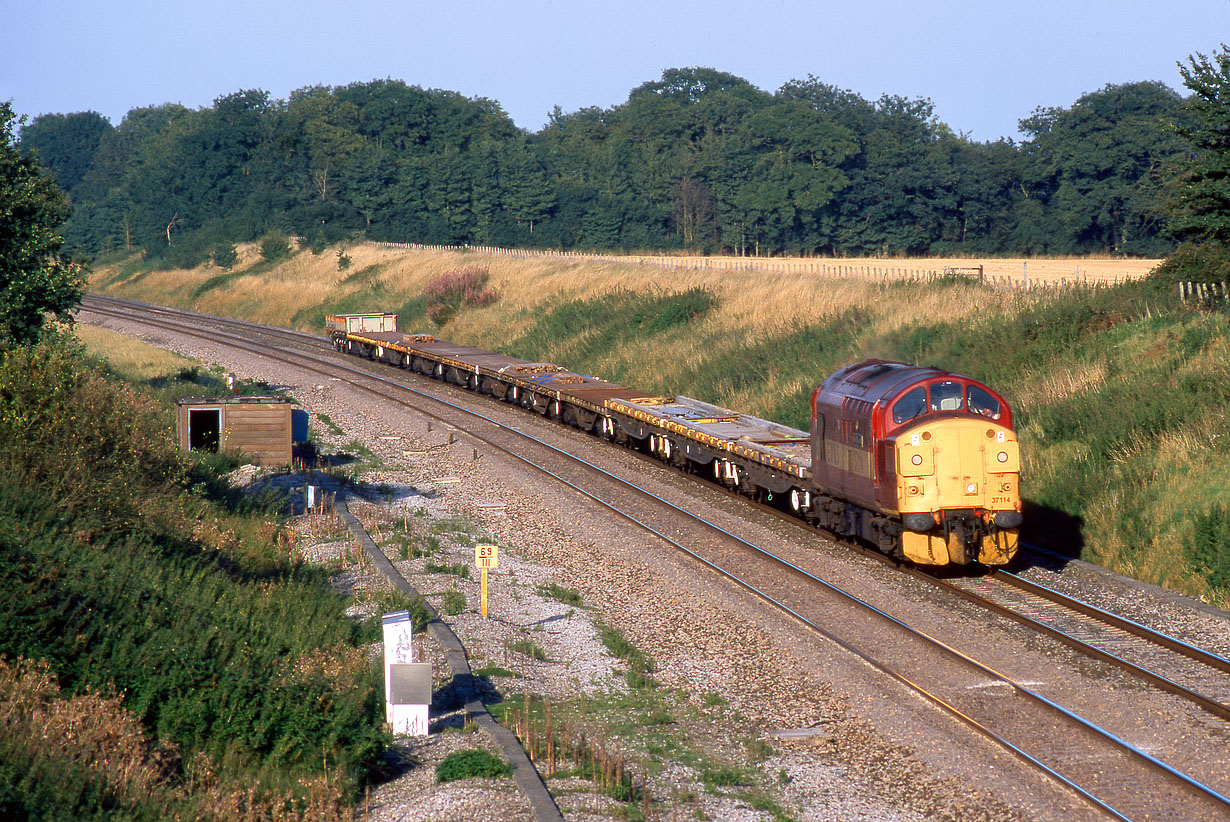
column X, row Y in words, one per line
column 920, row 462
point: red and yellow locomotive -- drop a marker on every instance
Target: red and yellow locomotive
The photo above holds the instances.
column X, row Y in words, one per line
column 927, row 457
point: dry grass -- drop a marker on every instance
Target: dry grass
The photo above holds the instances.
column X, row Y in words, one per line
column 759, row 299
column 134, row 360
column 99, row 735
column 764, row 296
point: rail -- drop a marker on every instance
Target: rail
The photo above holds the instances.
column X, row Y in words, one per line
column 1117, row 790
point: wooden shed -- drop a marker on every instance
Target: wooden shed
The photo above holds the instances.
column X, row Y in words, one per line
column 259, row 427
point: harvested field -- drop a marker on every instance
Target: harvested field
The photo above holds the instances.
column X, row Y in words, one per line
column 1020, row 271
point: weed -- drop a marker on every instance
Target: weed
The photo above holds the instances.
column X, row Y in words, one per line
column 758, row 749
column 639, row 666
column 568, row 596
column 1211, row 546
column 329, row 424
column 458, row 570
column 495, row 670
column 454, row 602
column 724, row 776
column 454, row 290
column 526, row 647
column 470, row 764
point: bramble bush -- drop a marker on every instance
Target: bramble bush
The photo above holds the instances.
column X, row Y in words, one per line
column 456, row 289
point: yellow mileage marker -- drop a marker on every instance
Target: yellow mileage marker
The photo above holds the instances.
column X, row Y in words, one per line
column 486, row 557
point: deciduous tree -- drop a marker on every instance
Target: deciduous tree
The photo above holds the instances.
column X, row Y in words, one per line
column 1201, row 196
column 35, row 277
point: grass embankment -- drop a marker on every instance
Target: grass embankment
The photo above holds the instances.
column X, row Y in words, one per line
column 1120, row 392
column 164, row 656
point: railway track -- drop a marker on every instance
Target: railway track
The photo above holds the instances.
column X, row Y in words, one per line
column 1120, row 780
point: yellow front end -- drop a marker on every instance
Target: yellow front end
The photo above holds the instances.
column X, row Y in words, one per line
column 962, row 472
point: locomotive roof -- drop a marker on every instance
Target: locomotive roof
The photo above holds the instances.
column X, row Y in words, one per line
column 873, row 379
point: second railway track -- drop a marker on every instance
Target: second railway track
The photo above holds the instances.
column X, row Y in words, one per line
column 1118, row 778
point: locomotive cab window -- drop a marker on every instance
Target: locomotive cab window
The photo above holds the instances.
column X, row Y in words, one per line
column 981, row 402
column 910, row 405
column 947, row 396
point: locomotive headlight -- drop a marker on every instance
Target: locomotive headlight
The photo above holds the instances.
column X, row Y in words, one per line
column 972, row 488
column 1002, row 456
column 916, row 459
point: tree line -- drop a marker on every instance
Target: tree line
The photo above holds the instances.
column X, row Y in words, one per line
column 699, row 160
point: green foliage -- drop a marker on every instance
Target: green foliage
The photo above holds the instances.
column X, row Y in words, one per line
column 1195, row 264
column 724, row 776
column 36, row 277
column 122, row 573
column 609, row 322
column 560, row 593
column 1210, row 550
column 699, row 159
column 1201, row 195
column 224, row 255
column 66, row 143
column 1097, row 171
column 275, row 247
column 639, row 666
column 527, row 648
column 495, row 670
column 473, row 763
column 454, row 602
column 459, row 570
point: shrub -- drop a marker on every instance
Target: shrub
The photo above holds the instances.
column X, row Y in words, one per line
column 471, row 763
column 224, row 255
column 1195, row 263
column 275, row 246
column 454, row 290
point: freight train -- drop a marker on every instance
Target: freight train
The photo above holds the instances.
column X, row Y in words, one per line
column 921, row 463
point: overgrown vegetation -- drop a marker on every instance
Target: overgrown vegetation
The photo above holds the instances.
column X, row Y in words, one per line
column 470, row 764
column 457, row 289
column 135, row 590
column 560, row 593
column 639, row 666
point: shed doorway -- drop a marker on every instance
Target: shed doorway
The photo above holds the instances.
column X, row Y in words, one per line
column 204, row 429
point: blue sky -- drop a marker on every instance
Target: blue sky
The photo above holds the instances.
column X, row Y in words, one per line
column 985, row 65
